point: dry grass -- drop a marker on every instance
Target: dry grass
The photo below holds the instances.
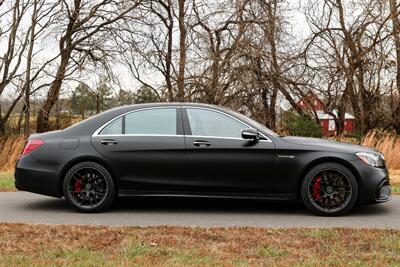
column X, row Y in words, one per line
column 388, row 144
column 12, row 146
column 10, row 149
column 385, row 142
column 42, row 245
column 395, row 176
column 64, row 120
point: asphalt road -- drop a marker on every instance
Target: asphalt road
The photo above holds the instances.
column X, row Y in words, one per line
column 31, row 208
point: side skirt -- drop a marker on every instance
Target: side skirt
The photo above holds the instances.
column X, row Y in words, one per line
column 277, row 197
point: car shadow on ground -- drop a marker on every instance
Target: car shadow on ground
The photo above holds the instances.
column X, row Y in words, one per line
column 200, row 205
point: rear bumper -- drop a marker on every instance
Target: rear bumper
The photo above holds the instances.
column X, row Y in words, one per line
column 30, row 177
column 374, row 185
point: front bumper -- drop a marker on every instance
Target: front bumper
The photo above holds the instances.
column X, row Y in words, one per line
column 374, row 185
column 384, row 192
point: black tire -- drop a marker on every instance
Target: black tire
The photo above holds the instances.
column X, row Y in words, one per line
column 89, row 187
column 329, row 189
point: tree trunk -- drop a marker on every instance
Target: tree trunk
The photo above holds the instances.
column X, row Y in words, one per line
column 4, row 119
column 65, row 47
column 27, row 85
column 27, row 111
column 27, row 90
column 168, row 57
column 182, row 51
column 275, row 72
column 213, row 85
column 21, row 116
column 341, row 109
column 1, row 119
column 98, row 103
column 43, row 120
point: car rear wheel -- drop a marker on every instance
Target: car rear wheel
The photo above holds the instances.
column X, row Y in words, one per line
column 329, row 189
column 89, row 187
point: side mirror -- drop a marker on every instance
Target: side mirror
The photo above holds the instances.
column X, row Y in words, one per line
column 251, row 134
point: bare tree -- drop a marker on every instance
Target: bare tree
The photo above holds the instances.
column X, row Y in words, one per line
column 238, row 53
column 267, row 61
column 146, row 46
column 86, row 21
column 218, row 34
column 42, row 16
column 13, row 55
column 152, row 44
column 343, row 51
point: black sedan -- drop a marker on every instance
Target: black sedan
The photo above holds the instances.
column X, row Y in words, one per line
column 196, row 150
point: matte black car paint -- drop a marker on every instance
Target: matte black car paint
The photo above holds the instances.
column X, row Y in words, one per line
column 272, row 168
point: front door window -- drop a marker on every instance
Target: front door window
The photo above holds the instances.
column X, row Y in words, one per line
column 205, row 122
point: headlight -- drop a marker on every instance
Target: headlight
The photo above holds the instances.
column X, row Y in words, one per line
column 374, row 160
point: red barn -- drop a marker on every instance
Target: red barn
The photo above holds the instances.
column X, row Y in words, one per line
column 312, row 103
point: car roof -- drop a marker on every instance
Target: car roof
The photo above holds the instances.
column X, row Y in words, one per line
column 178, row 104
column 127, row 108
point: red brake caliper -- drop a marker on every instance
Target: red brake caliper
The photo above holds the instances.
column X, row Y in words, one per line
column 78, row 185
column 316, row 187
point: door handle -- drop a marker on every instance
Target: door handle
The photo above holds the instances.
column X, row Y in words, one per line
column 201, row 143
column 107, row 142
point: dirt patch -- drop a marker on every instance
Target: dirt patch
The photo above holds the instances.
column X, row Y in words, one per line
column 8, row 190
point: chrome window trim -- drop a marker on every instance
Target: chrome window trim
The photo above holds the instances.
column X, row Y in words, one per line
column 228, row 115
column 97, row 132
column 179, row 135
column 144, row 135
column 222, row 137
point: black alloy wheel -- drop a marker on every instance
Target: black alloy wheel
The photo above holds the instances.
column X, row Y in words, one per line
column 329, row 189
column 88, row 187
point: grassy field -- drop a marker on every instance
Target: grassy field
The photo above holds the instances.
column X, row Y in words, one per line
column 176, row 246
column 395, row 180
column 7, row 181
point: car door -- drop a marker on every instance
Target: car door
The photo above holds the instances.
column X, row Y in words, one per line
column 145, row 149
column 220, row 160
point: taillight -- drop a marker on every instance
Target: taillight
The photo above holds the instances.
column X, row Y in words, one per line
column 31, row 146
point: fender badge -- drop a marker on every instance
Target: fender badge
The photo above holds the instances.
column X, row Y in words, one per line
column 287, row 156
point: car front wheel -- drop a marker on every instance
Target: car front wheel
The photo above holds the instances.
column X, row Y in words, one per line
column 89, row 187
column 329, row 189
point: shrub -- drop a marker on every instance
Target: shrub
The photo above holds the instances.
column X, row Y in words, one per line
column 301, row 125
